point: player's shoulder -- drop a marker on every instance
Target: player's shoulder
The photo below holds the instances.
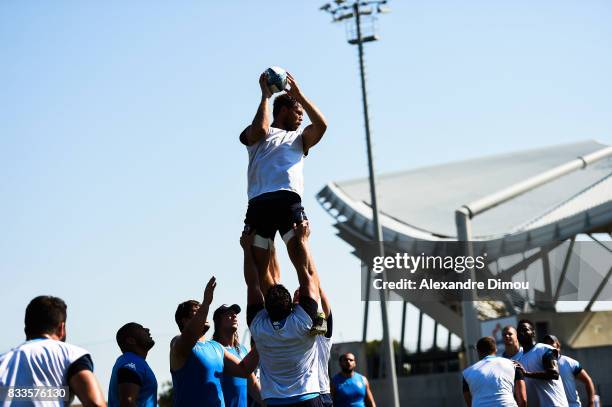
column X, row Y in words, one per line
column 260, row 315
column 361, row 377
column 568, row 360
column 215, row 347
column 130, row 362
column 52, row 346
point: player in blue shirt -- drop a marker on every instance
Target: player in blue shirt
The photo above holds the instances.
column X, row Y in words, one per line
column 197, row 364
column 349, row 388
column 132, row 381
column 570, row 370
column 235, row 388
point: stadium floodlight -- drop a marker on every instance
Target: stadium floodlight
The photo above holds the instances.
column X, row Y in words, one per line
column 359, row 9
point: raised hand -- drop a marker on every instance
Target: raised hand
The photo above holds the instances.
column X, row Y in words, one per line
column 209, row 290
column 247, row 238
column 293, row 89
column 263, row 84
column 302, row 230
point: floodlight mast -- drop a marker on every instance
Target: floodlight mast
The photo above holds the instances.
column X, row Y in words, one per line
column 345, row 10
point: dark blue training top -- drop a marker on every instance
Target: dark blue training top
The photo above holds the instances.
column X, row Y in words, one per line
column 198, row 382
column 350, row 391
column 132, row 368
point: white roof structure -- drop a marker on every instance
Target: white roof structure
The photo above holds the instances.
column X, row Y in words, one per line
column 420, row 204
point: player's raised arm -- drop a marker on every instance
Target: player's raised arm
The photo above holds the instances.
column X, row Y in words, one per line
column 306, row 270
column 261, row 122
column 183, row 344
column 314, row 132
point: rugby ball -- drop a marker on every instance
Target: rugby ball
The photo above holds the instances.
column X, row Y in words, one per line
column 276, row 79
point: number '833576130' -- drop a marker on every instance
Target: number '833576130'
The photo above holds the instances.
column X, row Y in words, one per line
column 35, row 393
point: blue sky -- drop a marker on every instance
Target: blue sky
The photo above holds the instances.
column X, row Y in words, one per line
column 124, row 186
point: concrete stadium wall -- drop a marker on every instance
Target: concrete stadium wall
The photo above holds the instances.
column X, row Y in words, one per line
column 439, row 390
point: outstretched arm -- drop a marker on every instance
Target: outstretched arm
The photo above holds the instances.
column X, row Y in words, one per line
column 251, row 277
column 261, row 123
column 192, row 331
column 305, row 267
column 240, row 368
column 314, row 132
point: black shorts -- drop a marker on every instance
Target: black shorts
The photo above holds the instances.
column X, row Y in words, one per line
column 326, row 400
column 315, row 402
column 274, row 211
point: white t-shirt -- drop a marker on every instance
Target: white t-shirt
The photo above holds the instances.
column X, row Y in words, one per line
column 276, row 163
column 324, row 345
column 491, row 382
column 568, row 369
column 543, row 393
column 288, row 357
column 38, row 362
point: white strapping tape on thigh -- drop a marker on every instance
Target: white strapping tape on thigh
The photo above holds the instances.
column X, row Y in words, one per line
column 261, row 242
column 287, row 236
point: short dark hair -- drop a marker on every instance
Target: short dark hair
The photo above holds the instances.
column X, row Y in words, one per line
column 278, row 302
column 126, row 331
column 551, row 338
column 183, row 311
column 486, row 345
column 507, row 327
column 43, row 315
column 283, row 100
column 526, row 321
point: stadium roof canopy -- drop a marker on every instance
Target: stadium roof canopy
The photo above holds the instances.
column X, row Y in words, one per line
column 421, row 203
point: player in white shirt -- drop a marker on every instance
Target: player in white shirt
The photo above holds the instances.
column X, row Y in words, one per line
column 45, row 359
column 288, row 357
column 512, row 348
column 493, row 381
column 570, row 370
column 275, row 174
column 541, row 369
